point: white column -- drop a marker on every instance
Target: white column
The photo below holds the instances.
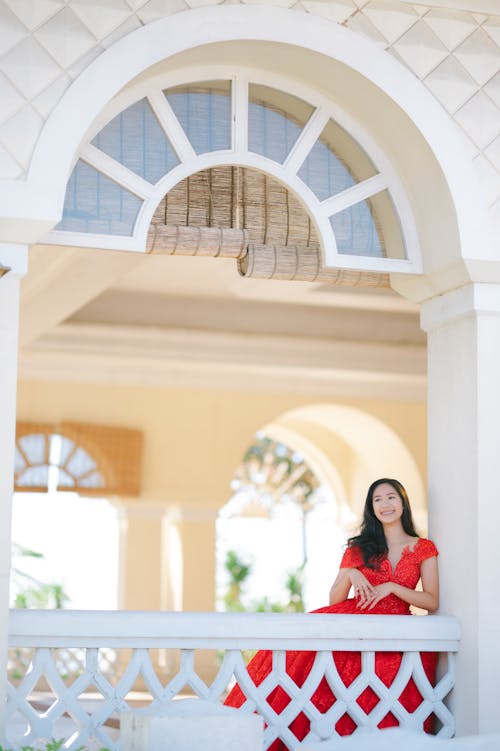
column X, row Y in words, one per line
column 13, row 258
column 463, row 329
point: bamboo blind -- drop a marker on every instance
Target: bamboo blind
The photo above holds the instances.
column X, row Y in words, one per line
column 241, row 213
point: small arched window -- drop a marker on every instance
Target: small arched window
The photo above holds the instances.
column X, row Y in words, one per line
column 78, row 457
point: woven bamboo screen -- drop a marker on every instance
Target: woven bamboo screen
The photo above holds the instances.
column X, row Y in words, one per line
column 90, row 459
column 259, row 222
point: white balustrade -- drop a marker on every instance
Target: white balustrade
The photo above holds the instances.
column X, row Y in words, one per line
column 84, row 708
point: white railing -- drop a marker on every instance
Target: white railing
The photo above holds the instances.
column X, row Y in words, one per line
column 84, row 709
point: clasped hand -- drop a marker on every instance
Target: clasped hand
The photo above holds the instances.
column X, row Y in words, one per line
column 368, row 594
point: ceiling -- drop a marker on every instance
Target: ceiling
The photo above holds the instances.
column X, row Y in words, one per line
column 109, row 316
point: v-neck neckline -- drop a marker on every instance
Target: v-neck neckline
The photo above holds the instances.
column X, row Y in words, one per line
column 406, row 551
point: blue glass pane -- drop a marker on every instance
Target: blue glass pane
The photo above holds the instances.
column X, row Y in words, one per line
column 34, row 447
column 275, row 120
column 204, row 111
column 19, row 461
column 94, row 480
column 80, row 463
column 34, row 477
column 270, row 133
column 64, row 480
column 135, row 139
column 324, row 173
column 356, row 233
column 94, row 203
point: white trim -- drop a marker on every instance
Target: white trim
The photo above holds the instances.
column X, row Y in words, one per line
column 15, row 259
column 116, row 171
column 351, row 196
column 83, row 628
column 306, row 140
column 240, row 113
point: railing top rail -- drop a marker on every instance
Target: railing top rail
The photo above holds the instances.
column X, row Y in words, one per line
column 82, row 628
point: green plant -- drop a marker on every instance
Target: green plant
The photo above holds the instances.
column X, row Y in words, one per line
column 32, row 592
column 238, row 572
column 50, row 745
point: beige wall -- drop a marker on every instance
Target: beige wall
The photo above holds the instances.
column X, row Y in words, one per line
column 193, row 441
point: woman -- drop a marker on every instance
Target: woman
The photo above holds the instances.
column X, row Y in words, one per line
column 383, row 565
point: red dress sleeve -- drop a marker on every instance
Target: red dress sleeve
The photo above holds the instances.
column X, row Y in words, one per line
column 425, row 549
column 352, row 558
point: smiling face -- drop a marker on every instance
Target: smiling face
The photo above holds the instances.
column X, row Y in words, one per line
column 387, row 503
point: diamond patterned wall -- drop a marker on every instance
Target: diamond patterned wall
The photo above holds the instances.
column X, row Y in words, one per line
column 45, row 44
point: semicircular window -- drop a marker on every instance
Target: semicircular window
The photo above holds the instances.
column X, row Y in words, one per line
column 51, row 461
column 193, row 128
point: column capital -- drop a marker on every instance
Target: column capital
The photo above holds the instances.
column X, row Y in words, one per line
column 13, row 259
column 469, row 300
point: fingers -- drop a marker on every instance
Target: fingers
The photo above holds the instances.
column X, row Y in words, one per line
column 364, row 592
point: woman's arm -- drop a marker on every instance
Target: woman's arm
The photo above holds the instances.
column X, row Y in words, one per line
column 428, row 599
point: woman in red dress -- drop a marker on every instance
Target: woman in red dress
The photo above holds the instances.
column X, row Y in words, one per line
column 383, row 564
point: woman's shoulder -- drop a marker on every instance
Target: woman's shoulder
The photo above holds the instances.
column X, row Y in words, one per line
column 352, row 558
column 424, row 549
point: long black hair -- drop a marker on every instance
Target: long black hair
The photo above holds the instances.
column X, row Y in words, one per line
column 371, row 538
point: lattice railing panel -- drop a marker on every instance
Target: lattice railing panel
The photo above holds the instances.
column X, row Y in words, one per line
column 46, row 703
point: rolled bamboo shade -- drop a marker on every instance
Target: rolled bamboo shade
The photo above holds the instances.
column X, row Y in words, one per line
column 302, row 264
column 238, row 212
column 223, row 242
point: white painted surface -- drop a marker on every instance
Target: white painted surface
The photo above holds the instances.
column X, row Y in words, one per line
column 14, row 258
column 394, row 738
column 464, row 512
column 190, row 725
column 230, row 633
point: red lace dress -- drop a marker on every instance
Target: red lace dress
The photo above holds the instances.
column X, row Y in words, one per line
column 299, row 663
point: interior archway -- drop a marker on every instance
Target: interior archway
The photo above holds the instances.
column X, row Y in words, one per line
column 355, row 448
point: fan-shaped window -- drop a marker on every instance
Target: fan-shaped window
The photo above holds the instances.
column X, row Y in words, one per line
column 49, row 461
column 281, row 522
column 95, row 459
column 352, row 198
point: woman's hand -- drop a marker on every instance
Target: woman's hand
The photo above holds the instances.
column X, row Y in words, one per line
column 362, row 587
column 379, row 592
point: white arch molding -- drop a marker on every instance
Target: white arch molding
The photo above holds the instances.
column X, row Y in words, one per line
column 386, row 83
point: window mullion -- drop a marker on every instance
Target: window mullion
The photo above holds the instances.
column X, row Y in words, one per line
column 354, row 195
column 116, row 171
column 306, row 140
column 240, row 115
column 172, row 127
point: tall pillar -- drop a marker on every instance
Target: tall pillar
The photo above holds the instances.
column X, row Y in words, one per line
column 463, row 329
column 141, row 555
column 13, row 265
